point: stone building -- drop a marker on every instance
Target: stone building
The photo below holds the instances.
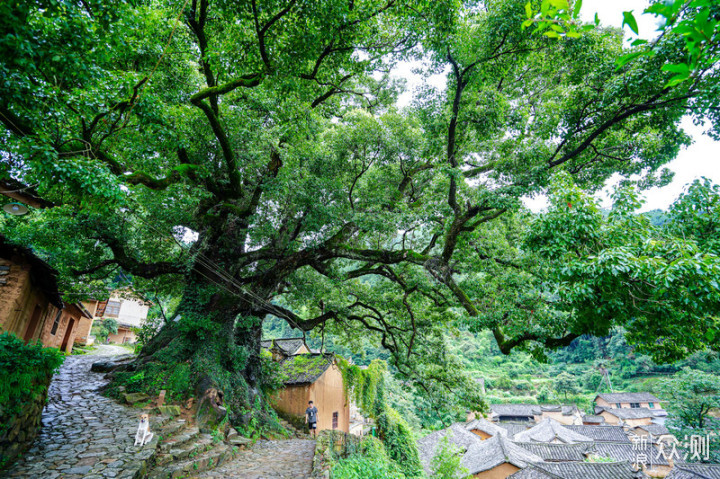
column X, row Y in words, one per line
column 31, row 306
column 127, row 308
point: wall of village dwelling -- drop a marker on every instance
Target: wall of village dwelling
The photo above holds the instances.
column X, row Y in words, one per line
column 625, row 405
column 67, row 320
column 560, row 417
column 18, row 300
column 133, row 312
column 499, row 472
column 328, row 394
column 124, row 335
column 22, row 427
column 82, row 331
column 613, row 420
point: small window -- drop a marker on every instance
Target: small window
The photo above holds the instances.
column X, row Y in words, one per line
column 651, row 405
column 635, row 405
column 618, row 405
column 56, row 323
column 335, row 420
column 112, row 309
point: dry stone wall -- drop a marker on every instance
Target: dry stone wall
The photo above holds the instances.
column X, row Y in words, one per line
column 19, row 426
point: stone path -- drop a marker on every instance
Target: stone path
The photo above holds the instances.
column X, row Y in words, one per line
column 83, row 435
column 269, row 460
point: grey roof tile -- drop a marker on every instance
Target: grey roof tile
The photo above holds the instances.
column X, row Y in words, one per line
column 558, row 452
column 579, row 470
column 549, row 430
column 695, row 471
column 485, row 426
column 630, row 452
column 601, row 433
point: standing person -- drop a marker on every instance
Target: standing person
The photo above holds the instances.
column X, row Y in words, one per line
column 311, row 417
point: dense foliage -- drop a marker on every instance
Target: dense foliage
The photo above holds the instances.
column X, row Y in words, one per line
column 367, row 388
column 249, row 159
column 25, row 371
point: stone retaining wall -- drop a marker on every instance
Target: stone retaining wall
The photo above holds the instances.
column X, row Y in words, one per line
column 332, row 445
column 19, row 428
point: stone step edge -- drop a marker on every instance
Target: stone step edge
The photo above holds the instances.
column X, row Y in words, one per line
column 183, row 438
column 205, row 462
column 180, row 453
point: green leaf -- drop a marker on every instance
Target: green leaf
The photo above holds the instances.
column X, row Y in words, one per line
column 528, row 10
column 629, row 20
column 576, row 8
column 680, row 68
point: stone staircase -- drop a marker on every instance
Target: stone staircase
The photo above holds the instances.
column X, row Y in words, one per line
column 183, row 451
column 295, row 432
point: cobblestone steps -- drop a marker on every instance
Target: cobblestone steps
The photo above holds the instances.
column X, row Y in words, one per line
column 203, row 461
column 178, row 438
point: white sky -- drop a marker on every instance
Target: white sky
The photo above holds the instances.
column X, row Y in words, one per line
column 698, row 160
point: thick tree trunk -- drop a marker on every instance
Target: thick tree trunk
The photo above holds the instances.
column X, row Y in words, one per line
column 217, row 335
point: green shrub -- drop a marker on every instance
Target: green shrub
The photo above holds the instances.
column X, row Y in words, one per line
column 24, row 371
column 446, row 462
column 371, row 463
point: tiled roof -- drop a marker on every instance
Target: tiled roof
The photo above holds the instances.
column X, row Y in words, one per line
column 478, row 455
column 549, row 430
column 695, row 471
column 631, row 413
column 628, row 397
column 490, row 453
column 532, row 409
column 601, row 433
column 594, row 419
column 630, row 452
column 457, row 435
column 485, row 426
column 579, row 470
column 288, row 346
column 513, row 428
column 557, row 452
column 654, row 429
column 304, row 368
column 515, row 409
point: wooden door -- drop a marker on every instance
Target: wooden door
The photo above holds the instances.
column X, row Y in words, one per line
column 68, row 332
column 33, row 324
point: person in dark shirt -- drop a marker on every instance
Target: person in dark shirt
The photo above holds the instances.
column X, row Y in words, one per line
column 311, row 414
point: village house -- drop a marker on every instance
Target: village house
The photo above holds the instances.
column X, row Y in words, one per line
column 317, row 378
column 31, row 306
column 129, row 311
column 626, row 401
column 310, row 376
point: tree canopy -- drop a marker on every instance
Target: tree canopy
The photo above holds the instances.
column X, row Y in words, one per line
column 249, row 157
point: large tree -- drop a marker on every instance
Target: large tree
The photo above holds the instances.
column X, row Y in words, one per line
column 249, row 155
